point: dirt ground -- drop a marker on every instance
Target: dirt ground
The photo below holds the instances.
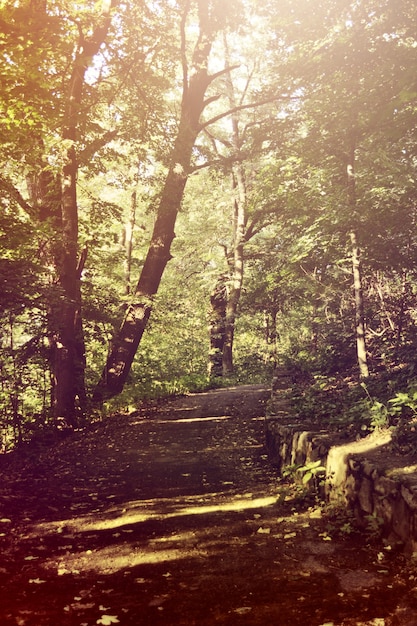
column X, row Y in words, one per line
column 172, row 515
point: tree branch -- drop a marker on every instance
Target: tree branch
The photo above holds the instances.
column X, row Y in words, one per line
column 184, row 62
column 225, row 70
column 241, row 107
column 256, row 227
column 245, row 90
column 222, row 160
column 210, row 100
column 15, row 195
column 89, row 151
column 213, row 140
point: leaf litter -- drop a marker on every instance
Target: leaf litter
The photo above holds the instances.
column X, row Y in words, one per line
column 217, row 568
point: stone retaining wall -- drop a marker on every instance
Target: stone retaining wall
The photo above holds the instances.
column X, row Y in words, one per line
column 380, row 486
column 366, row 475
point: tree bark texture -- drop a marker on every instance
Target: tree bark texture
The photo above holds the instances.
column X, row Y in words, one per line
column 128, row 241
column 359, row 307
column 356, row 271
column 271, row 335
column 218, row 301
column 127, row 339
column 66, row 331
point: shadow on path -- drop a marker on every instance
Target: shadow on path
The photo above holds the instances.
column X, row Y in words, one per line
column 175, row 517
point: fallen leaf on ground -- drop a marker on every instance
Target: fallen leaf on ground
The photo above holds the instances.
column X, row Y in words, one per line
column 243, row 610
column 158, row 601
column 36, row 581
column 82, row 606
column 290, row 535
column 106, row 620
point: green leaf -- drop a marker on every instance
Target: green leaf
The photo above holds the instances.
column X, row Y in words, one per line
column 307, row 477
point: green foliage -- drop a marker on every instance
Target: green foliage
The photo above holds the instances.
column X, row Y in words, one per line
column 340, row 520
column 356, row 409
column 326, row 401
column 312, row 473
column 374, row 526
column 24, row 380
column 332, row 68
column 377, row 410
column 404, row 403
column 398, row 409
column 309, row 475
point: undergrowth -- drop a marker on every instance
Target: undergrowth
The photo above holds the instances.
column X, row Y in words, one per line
column 385, row 400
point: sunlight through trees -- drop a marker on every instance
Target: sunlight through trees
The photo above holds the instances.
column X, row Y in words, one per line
column 152, row 149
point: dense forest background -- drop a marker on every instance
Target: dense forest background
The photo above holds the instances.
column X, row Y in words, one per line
column 194, row 191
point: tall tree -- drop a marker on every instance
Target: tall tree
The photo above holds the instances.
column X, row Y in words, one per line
column 70, row 39
column 239, row 218
column 352, row 93
column 67, row 342
column 196, row 80
column 356, row 264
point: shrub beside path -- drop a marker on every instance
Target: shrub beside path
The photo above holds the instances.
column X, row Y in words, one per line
column 171, row 515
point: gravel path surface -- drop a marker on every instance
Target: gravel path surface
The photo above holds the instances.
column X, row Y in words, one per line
column 172, row 515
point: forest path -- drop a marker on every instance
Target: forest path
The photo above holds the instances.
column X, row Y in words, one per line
column 171, row 515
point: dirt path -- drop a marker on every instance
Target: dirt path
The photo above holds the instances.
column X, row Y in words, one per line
column 173, row 516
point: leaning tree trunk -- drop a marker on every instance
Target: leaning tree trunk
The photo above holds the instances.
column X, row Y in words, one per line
column 356, row 271
column 127, row 339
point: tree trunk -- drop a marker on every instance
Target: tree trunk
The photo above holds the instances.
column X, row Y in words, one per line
column 356, row 271
column 236, row 261
column 359, row 307
column 66, row 336
column 271, row 335
column 127, row 339
column 128, row 241
column 218, row 302
column 55, row 202
column 402, row 309
column 236, row 267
